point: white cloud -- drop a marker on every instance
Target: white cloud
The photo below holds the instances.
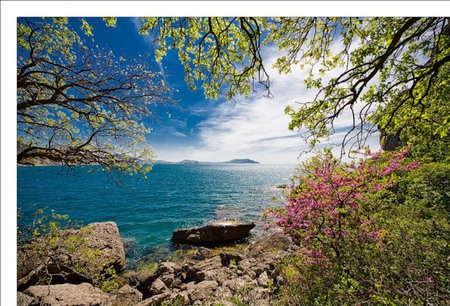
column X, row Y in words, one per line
column 178, row 134
column 257, row 128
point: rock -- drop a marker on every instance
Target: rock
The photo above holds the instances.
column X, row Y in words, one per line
column 23, row 299
column 73, row 248
column 166, row 273
column 157, row 287
column 155, row 300
column 197, row 271
column 271, row 244
column 127, row 296
column 201, row 254
column 69, row 294
column 221, row 279
column 203, row 290
column 228, row 257
column 263, row 280
column 104, row 236
column 166, row 299
column 214, row 232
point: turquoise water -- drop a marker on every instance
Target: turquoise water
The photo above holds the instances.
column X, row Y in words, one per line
column 147, row 211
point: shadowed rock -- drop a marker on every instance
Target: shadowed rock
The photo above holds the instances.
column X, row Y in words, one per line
column 214, row 232
column 97, row 245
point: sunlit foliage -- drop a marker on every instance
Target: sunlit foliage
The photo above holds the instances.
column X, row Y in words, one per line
column 80, row 105
column 385, row 72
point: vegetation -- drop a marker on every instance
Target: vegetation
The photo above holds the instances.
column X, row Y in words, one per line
column 387, row 73
column 81, row 105
column 50, row 245
column 375, row 232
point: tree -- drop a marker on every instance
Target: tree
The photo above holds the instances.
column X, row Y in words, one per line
column 215, row 52
column 387, row 72
column 78, row 105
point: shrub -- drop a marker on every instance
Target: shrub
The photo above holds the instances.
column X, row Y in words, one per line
column 372, row 232
column 50, row 245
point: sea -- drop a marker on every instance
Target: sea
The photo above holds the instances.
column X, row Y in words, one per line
column 148, row 210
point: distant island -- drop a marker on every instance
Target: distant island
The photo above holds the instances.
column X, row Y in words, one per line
column 193, row 162
column 242, row 161
column 188, row 161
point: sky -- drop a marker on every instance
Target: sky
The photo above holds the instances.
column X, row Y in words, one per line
column 201, row 129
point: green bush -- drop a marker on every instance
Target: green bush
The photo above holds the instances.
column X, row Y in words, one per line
column 409, row 266
column 50, row 241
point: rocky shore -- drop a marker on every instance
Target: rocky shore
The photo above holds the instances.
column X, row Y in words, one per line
column 208, row 277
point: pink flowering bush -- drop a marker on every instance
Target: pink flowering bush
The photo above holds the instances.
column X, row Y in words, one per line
column 372, row 232
column 334, row 202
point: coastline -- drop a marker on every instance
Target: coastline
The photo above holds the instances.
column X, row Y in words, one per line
column 196, row 275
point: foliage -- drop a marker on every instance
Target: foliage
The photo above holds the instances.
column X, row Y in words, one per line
column 217, row 51
column 50, row 241
column 334, row 202
column 245, row 296
column 427, row 187
column 423, row 124
column 385, row 72
column 78, row 105
column 386, row 244
column 364, row 65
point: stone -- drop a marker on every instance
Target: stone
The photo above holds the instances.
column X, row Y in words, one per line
column 69, row 294
column 23, row 299
column 166, row 272
column 263, row 280
column 214, row 232
column 203, row 290
column 102, row 237
column 201, row 254
column 271, row 244
column 158, row 287
column 105, row 237
column 127, row 295
column 196, row 271
column 155, row 300
column 228, row 257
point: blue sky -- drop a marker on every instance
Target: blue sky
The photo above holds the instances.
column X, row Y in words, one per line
column 214, row 130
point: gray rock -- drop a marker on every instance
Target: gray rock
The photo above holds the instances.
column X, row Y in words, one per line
column 215, row 232
column 127, row 296
column 155, row 300
column 23, row 299
column 197, row 271
column 104, row 237
column 158, row 287
column 68, row 295
column 167, row 272
column 228, row 257
column 263, row 280
column 203, row 291
column 272, row 244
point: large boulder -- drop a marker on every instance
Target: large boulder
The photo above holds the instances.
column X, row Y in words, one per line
column 214, row 232
column 68, row 294
column 71, row 256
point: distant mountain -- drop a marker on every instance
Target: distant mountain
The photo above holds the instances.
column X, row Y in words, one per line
column 242, row 161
